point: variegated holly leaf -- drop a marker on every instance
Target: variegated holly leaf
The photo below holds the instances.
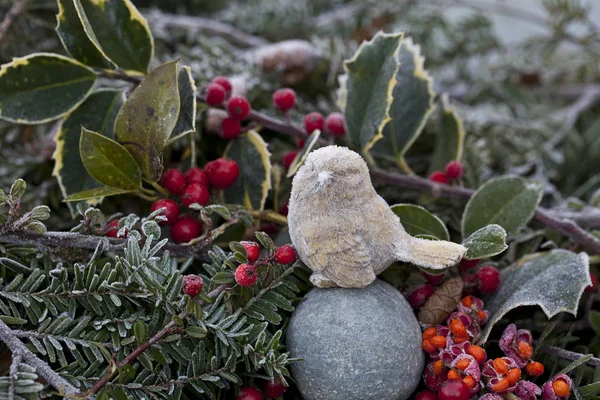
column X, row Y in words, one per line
column 509, row 201
column 449, row 140
column 485, row 242
column 146, row 121
column 186, row 122
column 300, row 158
column 251, row 188
column 419, row 222
column 411, row 107
column 371, row 78
column 554, row 281
column 118, row 31
column 42, row 87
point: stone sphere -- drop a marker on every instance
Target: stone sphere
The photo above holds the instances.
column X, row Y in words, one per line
column 356, row 344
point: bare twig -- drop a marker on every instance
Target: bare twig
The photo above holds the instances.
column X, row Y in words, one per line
column 18, row 349
column 161, row 21
column 10, row 17
column 568, row 355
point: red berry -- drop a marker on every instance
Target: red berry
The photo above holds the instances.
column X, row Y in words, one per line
column 171, row 211
column 114, row 225
column 313, row 121
column 230, row 128
column 284, row 209
column 466, row 265
column 433, row 279
column 288, row 158
column 471, row 285
column 285, row 254
column 225, row 84
column 195, row 193
column 249, row 393
column 426, row 395
column 222, row 173
column 174, row 181
column 185, row 229
column 419, row 295
column 594, row 285
column 245, row 275
column 454, row 170
column 252, row 250
column 284, row 99
column 192, row 285
column 274, row 389
column 215, row 94
column 439, row 177
column 238, row 107
column 334, row 124
column 489, row 279
column 454, row 389
column 196, row 175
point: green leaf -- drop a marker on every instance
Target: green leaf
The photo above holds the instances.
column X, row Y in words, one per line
column 575, row 364
column 97, row 113
column 186, row 121
column 485, row 242
column 590, row 390
column 554, row 281
column 594, row 319
column 12, row 320
column 108, row 162
column 17, row 189
column 140, row 330
column 411, row 107
column 118, row 31
column 73, row 37
column 223, row 277
column 96, row 193
column 300, row 158
column 371, row 77
column 508, row 201
column 450, row 137
column 418, row 221
column 42, row 87
column 146, row 121
column 196, row 332
column 252, row 186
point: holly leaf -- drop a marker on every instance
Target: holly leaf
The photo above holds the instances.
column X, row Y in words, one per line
column 252, row 186
column 97, row 113
column 42, row 87
column 118, row 31
column 73, row 37
column 419, row 222
column 509, row 201
column 411, row 107
column 300, row 158
column 108, row 162
column 96, row 193
column 186, row 121
column 555, row 281
column 450, row 137
column 146, row 121
column 485, row 242
column 371, row 78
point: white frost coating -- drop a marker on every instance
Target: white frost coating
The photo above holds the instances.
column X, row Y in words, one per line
column 324, row 177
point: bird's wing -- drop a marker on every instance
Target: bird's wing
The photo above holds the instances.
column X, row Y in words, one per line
column 343, row 258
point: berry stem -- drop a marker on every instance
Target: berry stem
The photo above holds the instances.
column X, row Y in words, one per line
column 158, row 188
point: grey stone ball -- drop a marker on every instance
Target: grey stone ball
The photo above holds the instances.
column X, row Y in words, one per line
column 356, row 344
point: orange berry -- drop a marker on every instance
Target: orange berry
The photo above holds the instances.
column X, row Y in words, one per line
column 469, row 381
column 461, row 339
column 453, row 375
column 525, row 350
column 514, row 375
column 467, row 301
column 458, row 328
column 429, row 333
column 463, row 364
column 477, row 352
column 428, row 347
column 535, row 368
column 501, row 386
column 501, row 366
column 481, row 316
column 438, row 368
column 561, row 388
column 438, row 341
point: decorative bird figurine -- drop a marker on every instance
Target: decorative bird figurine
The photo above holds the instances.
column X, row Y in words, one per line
column 344, row 231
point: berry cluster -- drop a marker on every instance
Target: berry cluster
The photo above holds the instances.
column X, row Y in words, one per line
column 453, row 172
column 271, row 389
column 218, row 92
column 246, row 274
column 192, row 188
column 458, row 369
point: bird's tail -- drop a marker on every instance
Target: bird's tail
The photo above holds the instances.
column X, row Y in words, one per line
column 432, row 254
